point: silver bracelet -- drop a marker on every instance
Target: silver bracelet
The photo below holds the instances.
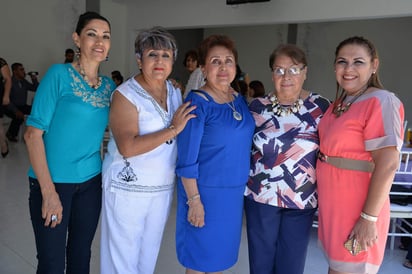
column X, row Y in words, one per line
column 368, row 217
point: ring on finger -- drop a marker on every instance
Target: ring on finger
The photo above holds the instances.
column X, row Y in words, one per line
column 54, row 218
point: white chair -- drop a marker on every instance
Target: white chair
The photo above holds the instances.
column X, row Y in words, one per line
column 399, row 212
column 103, row 146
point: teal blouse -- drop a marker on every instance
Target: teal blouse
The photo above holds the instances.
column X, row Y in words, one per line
column 73, row 117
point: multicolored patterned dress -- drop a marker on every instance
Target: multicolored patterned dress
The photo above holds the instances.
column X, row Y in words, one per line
column 372, row 122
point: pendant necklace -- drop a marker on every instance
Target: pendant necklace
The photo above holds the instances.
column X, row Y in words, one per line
column 339, row 109
column 281, row 110
column 236, row 114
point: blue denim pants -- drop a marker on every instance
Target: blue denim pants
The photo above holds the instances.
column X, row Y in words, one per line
column 68, row 245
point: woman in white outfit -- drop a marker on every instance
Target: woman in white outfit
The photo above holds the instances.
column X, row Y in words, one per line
column 139, row 169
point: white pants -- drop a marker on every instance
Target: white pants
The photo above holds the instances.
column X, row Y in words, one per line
column 131, row 232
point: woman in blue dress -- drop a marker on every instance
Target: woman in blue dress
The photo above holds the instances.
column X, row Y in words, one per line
column 213, row 164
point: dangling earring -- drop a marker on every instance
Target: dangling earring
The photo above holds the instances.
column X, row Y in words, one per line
column 78, row 53
column 107, row 58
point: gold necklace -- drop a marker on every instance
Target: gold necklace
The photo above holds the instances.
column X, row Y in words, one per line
column 236, row 114
column 282, row 110
column 159, row 99
column 86, row 79
column 339, row 109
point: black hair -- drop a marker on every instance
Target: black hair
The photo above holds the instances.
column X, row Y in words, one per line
column 86, row 17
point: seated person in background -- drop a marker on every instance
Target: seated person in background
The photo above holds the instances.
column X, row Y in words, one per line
column 18, row 106
column 69, row 56
column 243, row 89
column 196, row 78
column 117, row 77
column 256, row 89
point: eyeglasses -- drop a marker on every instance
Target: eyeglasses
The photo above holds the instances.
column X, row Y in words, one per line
column 294, row 71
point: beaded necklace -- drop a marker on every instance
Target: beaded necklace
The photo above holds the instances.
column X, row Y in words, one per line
column 86, row 79
column 282, row 110
column 339, row 109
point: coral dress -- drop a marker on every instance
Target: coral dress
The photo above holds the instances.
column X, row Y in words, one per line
column 374, row 121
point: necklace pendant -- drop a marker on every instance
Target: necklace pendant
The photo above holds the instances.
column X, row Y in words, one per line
column 237, row 116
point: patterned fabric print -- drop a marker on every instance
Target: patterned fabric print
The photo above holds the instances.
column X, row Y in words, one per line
column 96, row 97
column 284, row 154
column 166, row 116
column 128, row 178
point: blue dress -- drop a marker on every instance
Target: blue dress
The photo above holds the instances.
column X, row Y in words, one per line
column 214, row 148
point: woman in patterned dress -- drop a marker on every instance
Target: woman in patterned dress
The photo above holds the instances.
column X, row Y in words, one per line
column 281, row 194
column 139, row 169
column 360, row 139
column 64, row 132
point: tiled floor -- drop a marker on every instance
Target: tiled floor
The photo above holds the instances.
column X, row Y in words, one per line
column 17, row 250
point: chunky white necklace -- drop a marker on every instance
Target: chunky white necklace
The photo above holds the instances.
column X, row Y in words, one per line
column 282, row 110
column 86, row 79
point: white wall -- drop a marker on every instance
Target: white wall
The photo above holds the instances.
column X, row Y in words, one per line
column 36, row 33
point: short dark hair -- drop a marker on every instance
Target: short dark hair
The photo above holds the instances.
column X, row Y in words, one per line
column 290, row 50
column 258, row 88
column 116, row 75
column 86, row 17
column 191, row 54
column 213, row 41
column 69, row 51
column 16, row 66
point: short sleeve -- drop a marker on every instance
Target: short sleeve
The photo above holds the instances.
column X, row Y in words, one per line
column 46, row 98
column 384, row 126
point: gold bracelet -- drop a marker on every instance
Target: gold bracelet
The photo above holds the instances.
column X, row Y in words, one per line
column 191, row 199
column 368, row 217
column 172, row 128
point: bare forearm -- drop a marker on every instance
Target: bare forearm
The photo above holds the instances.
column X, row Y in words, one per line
column 381, row 181
column 37, row 156
column 190, row 186
column 141, row 144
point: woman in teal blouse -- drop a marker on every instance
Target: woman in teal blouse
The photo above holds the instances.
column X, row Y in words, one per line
column 63, row 137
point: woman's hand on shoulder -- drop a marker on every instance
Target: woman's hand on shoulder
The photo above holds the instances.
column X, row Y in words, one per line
column 182, row 116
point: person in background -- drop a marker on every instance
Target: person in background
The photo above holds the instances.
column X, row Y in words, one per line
column 196, row 78
column 64, row 133
column 360, row 135
column 256, row 89
column 117, row 77
column 18, row 107
column 5, row 88
column 280, row 197
column 213, row 164
column 69, row 56
column 146, row 116
column 243, row 90
column 240, row 76
column 408, row 261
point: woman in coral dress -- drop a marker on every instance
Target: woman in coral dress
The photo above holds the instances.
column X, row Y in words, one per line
column 360, row 139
